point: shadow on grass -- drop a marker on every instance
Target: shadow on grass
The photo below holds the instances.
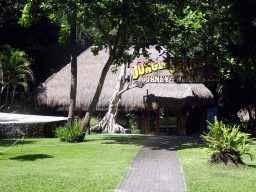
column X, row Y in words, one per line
column 191, row 145
column 121, row 139
column 130, row 139
column 252, row 166
column 31, row 157
column 155, row 142
column 9, row 142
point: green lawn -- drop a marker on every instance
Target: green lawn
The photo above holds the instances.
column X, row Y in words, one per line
column 202, row 176
column 97, row 164
column 100, row 163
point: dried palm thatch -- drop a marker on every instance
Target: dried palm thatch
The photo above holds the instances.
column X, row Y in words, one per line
column 55, row 90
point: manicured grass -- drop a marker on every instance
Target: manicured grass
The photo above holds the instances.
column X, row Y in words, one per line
column 202, row 176
column 97, row 164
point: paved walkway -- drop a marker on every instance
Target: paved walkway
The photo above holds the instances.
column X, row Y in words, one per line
column 156, row 167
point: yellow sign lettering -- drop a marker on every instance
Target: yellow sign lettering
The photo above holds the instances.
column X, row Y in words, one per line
column 141, row 70
column 172, row 69
column 160, row 66
column 136, row 73
column 178, row 68
column 185, row 68
column 154, row 66
column 194, row 65
column 148, row 69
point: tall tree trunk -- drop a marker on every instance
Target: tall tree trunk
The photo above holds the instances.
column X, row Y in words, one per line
column 6, row 99
column 2, row 90
column 13, row 93
column 86, row 121
column 0, row 100
column 250, row 117
column 73, row 89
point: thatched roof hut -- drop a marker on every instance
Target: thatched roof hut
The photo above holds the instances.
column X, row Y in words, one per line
column 55, row 91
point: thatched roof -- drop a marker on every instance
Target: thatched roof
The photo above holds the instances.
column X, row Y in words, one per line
column 55, row 90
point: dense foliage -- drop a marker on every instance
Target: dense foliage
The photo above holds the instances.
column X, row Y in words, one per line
column 15, row 71
column 68, row 133
column 220, row 32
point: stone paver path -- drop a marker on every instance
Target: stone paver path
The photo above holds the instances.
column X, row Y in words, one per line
column 156, row 167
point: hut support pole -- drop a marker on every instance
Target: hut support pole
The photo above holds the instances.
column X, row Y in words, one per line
column 157, row 121
column 178, row 122
column 146, row 122
column 183, row 120
column 167, row 120
column 79, row 112
column 202, row 121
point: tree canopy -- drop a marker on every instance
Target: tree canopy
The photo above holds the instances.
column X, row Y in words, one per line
column 118, row 24
column 220, row 32
column 223, row 35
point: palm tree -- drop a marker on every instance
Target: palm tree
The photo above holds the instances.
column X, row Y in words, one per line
column 1, row 76
column 15, row 70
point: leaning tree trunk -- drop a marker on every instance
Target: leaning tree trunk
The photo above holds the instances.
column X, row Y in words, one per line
column 86, row 121
column 73, row 89
column 108, row 123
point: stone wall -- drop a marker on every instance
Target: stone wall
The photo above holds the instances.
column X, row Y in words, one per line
column 31, row 130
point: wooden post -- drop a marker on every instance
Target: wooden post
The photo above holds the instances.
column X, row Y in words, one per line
column 79, row 112
column 178, row 121
column 146, row 122
column 202, row 121
column 167, row 120
column 157, row 121
column 143, row 122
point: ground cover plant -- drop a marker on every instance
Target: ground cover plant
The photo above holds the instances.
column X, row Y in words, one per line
column 200, row 175
column 226, row 144
column 97, row 164
column 70, row 133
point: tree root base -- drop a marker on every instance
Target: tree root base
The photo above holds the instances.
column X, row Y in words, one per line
column 108, row 125
column 227, row 158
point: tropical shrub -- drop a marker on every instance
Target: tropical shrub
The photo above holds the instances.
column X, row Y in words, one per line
column 226, row 144
column 133, row 121
column 68, row 133
column 14, row 71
